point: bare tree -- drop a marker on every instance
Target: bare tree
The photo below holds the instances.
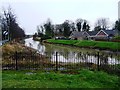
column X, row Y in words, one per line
column 85, row 26
column 72, row 25
column 66, row 27
column 79, row 24
column 42, row 29
column 102, row 23
column 10, row 25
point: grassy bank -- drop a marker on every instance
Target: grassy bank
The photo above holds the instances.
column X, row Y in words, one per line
column 11, row 47
column 37, row 79
column 88, row 44
column 26, row 57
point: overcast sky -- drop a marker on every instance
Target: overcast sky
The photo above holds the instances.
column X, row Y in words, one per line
column 31, row 13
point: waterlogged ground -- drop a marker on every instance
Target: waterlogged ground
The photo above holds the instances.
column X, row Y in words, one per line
column 71, row 54
column 37, row 79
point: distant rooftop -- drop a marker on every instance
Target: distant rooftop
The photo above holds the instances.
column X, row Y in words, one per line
column 92, row 33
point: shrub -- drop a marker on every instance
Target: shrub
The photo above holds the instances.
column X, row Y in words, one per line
column 116, row 38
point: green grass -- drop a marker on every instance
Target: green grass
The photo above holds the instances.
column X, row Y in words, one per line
column 84, row 79
column 68, row 42
column 89, row 44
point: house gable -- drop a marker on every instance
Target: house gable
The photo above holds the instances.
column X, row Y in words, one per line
column 101, row 33
column 76, row 34
column 85, row 34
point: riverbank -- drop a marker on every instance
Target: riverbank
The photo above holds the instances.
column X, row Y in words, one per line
column 12, row 47
column 38, row 79
column 27, row 57
column 101, row 45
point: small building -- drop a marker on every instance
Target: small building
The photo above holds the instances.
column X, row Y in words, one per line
column 83, row 35
column 75, row 35
column 94, row 35
column 107, row 34
column 89, row 35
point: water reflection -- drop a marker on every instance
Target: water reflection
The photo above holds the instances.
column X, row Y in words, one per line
column 72, row 54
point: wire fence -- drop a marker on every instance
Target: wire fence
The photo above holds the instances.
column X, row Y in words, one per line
column 58, row 61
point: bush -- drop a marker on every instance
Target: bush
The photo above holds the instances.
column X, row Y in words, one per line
column 116, row 38
column 8, row 49
column 44, row 37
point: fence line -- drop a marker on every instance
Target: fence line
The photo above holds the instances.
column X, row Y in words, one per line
column 61, row 61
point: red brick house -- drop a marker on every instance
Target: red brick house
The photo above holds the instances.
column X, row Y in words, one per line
column 106, row 34
column 94, row 35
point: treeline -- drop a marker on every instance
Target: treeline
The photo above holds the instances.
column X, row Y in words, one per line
column 50, row 30
column 10, row 29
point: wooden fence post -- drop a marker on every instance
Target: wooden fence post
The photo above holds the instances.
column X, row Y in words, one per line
column 98, row 61
column 16, row 64
column 56, row 61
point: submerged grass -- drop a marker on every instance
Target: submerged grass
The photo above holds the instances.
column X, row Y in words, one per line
column 38, row 79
